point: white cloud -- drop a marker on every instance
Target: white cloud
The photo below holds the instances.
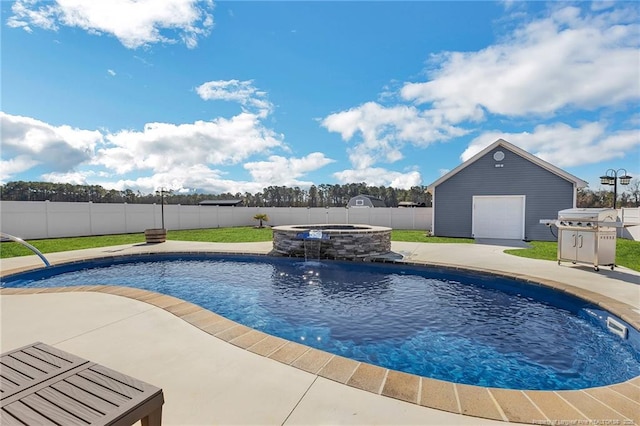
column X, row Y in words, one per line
column 15, row 165
column 196, row 177
column 567, row 60
column 571, row 61
column 182, row 157
column 27, row 142
column 242, row 92
column 74, row 178
column 23, row 16
column 112, row 73
column 377, row 176
column 161, row 146
column 384, row 130
column 566, row 146
column 134, row 23
column 286, row 171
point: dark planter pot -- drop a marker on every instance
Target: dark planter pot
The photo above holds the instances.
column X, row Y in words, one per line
column 155, row 235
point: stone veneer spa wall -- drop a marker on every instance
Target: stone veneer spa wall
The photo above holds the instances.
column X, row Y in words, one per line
column 327, row 241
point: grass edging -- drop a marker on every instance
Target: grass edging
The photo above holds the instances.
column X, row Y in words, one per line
column 627, row 251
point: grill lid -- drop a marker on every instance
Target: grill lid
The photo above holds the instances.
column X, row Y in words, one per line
column 590, row 214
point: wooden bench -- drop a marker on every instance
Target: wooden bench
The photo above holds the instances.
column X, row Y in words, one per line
column 42, row 385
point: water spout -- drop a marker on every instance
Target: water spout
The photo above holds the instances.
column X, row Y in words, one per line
column 312, row 238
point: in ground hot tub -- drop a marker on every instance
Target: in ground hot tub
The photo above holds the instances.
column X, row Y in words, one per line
column 327, row 241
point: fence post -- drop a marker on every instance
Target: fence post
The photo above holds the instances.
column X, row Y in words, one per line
column 91, row 218
column 46, row 217
column 413, row 219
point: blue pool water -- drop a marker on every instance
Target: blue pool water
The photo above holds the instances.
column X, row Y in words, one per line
column 460, row 327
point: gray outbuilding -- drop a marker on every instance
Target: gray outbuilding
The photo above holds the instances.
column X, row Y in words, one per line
column 502, row 192
column 363, row 200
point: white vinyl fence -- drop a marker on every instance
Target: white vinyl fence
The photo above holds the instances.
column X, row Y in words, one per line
column 630, row 217
column 44, row 219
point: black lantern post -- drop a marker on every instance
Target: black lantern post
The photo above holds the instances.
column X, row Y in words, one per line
column 611, row 178
column 161, row 192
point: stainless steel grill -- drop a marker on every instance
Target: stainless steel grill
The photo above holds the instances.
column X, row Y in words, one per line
column 587, row 236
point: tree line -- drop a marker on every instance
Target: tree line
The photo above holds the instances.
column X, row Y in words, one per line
column 324, row 195
column 604, row 197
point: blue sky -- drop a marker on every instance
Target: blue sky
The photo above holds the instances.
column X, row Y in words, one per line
column 235, row 96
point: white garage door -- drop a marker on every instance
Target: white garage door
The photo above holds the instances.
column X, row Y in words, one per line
column 498, row 217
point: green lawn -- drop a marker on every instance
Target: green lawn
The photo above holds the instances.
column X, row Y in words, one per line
column 627, row 251
column 242, row 234
column 218, row 235
column 11, row 249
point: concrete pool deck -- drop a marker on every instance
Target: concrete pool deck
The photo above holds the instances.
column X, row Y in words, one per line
column 265, row 380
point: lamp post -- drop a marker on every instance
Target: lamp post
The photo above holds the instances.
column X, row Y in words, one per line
column 611, row 178
column 161, row 192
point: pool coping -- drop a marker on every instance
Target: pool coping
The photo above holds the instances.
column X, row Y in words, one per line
column 613, row 404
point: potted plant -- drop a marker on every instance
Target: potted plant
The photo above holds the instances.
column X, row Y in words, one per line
column 155, row 235
column 261, row 217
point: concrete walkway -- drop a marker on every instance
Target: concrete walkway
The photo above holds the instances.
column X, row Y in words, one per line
column 621, row 284
column 207, row 380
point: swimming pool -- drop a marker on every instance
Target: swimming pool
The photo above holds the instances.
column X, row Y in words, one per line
column 455, row 326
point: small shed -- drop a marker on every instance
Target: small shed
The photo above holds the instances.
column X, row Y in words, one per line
column 501, row 192
column 223, row 203
column 363, row 200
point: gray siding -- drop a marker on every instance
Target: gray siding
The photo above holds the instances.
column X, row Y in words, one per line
column 367, row 201
column 546, row 193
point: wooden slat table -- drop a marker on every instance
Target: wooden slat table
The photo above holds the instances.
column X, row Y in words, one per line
column 42, row 385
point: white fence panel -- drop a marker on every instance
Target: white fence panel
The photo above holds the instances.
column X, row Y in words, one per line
column 278, row 215
column 359, row 215
column 381, row 217
column 189, row 217
column 404, row 218
column 337, row 215
column 171, row 216
column 139, row 218
column 24, row 219
column 43, row 219
column 230, row 216
column 209, row 216
column 317, row 215
column 105, row 218
column 68, row 219
column 630, row 217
